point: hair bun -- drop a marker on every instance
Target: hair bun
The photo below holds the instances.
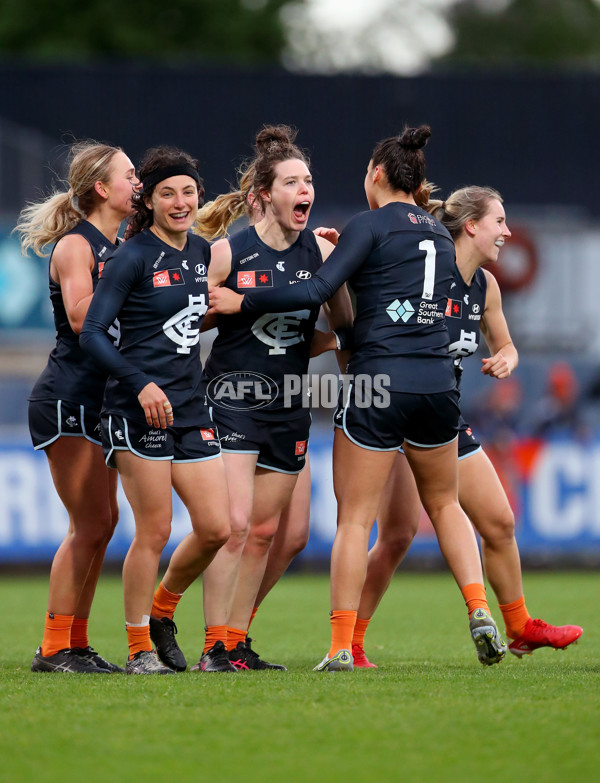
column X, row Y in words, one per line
column 275, row 136
column 414, row 138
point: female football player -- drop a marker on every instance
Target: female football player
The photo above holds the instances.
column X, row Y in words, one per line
column 64, row 405
column 156, row 428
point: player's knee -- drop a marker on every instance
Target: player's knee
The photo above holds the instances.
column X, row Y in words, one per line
column 500, row 529
column 395, row 546
column 262, row 535
column 217, row 536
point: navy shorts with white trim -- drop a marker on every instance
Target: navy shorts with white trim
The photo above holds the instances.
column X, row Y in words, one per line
column 426, row 420
column 281, row 445
column 53, row 419
column 177, row 444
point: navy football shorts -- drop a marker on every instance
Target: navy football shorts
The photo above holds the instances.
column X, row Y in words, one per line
column 467, row 442
column 177, row 444
column 281, row 445
column 53, row 419
column 426, row 420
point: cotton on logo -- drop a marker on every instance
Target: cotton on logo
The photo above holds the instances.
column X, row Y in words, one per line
column 280, row 330
column 184, row 327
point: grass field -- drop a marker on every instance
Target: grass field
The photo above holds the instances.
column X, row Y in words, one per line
column 431, row 712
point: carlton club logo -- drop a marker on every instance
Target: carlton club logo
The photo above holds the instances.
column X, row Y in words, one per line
column 280, row 330
column 184, row 327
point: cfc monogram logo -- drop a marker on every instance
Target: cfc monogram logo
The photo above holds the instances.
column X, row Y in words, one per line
column 184, row 328
column 280, row 330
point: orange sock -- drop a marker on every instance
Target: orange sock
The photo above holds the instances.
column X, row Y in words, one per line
column 515, row 617
column 360, row 629
column 79, row 633
column 57, row 633
column 342, row 627
column 252, row 616
column 165, row 602
column 214, row 634
column 474, row 595
column 235, row 635
column 138, row 638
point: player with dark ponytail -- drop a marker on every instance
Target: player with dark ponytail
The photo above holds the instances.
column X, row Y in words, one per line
column 399, row 261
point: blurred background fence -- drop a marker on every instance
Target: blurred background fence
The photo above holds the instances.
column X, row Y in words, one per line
column 531, row 133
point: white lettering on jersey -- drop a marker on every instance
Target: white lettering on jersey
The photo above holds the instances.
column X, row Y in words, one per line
column 280, row 330
column 465, row 345
column 181, row 327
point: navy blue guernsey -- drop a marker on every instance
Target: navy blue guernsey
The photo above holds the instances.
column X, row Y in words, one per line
column 72, row 374
column 466, row 305
column 160, row 295
column 274, row 344
column 399, row 261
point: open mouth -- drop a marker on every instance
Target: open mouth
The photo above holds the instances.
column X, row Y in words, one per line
column 179, row 215
column 499, row 242
column 301, row 210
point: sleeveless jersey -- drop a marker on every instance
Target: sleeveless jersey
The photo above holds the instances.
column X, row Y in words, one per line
column 273, row 346
column 399, row 261
column 72, row 374
column 466, row 305
column 160, row 295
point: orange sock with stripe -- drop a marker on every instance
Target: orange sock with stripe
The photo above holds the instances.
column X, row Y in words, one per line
column 515, row 617
column 165, row 602
column 342, row 628
column 235, row 635
column 214, row 634
column 474, row 595
column 360, row 629
column 79, row 633
column 138, row 638
column 57, row 633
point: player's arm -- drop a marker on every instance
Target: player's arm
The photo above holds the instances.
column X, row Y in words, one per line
column 71, row 267
column 338, row 311
column 354, row 246
column 504, row 356
column 118, row 278
column 219, row 270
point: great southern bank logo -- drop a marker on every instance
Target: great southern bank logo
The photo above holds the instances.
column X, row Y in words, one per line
column 242, row 391
column 398, row 310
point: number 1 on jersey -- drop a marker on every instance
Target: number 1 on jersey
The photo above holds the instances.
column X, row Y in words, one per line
column 429, row 281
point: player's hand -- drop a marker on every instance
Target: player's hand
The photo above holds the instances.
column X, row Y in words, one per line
column 496, row 366
column 224, row 301
column 156, row 405
column 330, row 234
column 321, row 342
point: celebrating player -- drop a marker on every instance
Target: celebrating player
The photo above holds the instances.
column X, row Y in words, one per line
column 264, row 434
column 475, row 218
column 399, row 261
column 156, row 427
column 64, row 405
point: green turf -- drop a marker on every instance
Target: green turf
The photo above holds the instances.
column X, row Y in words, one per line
column 431, row 712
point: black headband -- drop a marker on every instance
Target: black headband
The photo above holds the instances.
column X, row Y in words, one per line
column 165, row 172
